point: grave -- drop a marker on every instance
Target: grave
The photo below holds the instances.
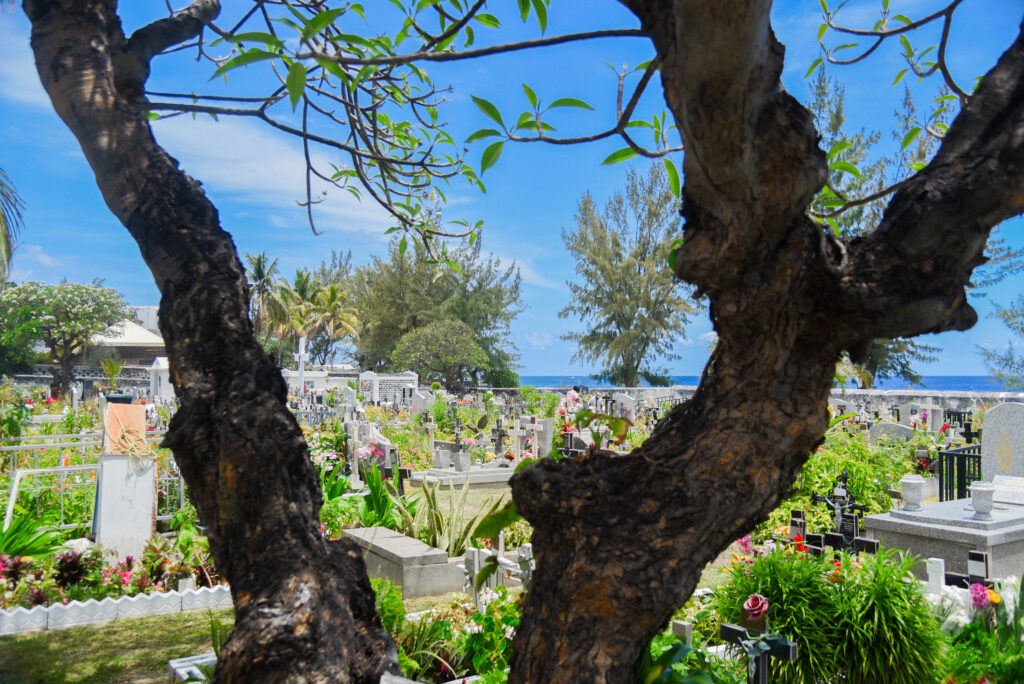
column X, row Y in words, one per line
column 1002, row 449
column 891, row 431
column 950, row 529
column 418, row 569
column 125, row 517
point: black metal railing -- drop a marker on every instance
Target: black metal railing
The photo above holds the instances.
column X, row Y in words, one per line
column 956, row 470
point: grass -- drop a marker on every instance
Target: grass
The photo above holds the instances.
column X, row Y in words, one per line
column 128, row 650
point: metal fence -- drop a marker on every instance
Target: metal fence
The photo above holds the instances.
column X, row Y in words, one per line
column 58, row 473
column 956, row 470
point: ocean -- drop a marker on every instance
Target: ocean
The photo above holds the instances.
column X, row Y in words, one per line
column 957, row 383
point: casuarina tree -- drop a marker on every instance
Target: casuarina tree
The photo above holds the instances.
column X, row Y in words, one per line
column 619, row 540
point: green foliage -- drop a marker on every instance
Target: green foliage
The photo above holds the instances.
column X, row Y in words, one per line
column 858, row 624
column 388, row 600
column 27, row 535
column 450, row 531
column 63, row 317
column 1007, row 365
column 443, row 350
column 10, row 221
column 873, row 470
column 14, row 417
column 383, row 507
column 397, row 295
column 631, row 307
column 667, row 660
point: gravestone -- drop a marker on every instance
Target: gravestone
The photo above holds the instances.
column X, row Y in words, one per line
column 369, row 386
column 1002, row 447
column 421, row 400
column 890, row 431
column 626, row 403
column 348, row 396
column 1008, row 489
column 126, row 489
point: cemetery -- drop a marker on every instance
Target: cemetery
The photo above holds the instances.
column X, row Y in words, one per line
column 98, row 528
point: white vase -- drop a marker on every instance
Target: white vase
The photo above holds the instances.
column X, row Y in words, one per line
column 981, row 499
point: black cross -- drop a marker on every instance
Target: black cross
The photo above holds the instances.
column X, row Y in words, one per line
column 778, row 646
column 969, row 434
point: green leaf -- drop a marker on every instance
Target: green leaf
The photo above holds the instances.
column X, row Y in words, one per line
column 542, row 14
column 904, row 18
column 402, row 245
column 621, row 155
column 470, row 37
column 917, row 166
column 153, row 116
column 490, row 155
column 530, row 95
column 524, row 9
column 569, row 102
column 845, row 166
column 491, row 525
column 837, row 148
column 909, row 137
column 824, row 7
column 489, row 568
column 525, row 463
column 673, row 249
column 296, row 82
column 814, row 65
column 247, row 57
column 489, row 109
column 321, row 21
column 822, row 30
column 481, row 134
column 845, row 46
column 899, row 76
column 364, row 73
column 673, row 176
column 257, row 37
column 909, row 51
column 487, row 20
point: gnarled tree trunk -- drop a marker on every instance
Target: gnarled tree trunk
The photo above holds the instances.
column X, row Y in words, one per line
column 304, row 606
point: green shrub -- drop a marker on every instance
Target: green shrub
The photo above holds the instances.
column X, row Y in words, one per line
column 388, row 600
column 862, row 622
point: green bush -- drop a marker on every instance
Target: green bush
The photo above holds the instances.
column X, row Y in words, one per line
column 873, row 470
column 863, row 621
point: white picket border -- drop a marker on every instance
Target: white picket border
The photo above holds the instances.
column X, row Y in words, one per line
column 91, row 611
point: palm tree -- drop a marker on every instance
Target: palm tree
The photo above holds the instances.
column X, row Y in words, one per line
column 336, row 319
column 10, row 221
column 292, row 309
column 261, row 273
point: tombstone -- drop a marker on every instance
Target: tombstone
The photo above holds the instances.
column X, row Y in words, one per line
column 797, row 524
column 626, row 403
column 909, row 414
column 1002, row 449
column 348, row 396
column 369, row 386
column 125, row 516
column 1008, row 489
column 890, row 431
column 421, row 400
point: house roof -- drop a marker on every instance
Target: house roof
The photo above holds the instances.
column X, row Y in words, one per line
column 132, row 335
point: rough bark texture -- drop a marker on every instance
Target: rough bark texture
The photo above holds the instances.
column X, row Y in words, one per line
column 620, row 541
column 304, row 607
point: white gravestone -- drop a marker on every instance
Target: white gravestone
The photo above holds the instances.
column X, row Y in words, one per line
column 1002, row 444
column 126, row 498
column 890, row 431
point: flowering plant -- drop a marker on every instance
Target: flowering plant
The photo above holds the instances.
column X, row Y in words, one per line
column 755, row 607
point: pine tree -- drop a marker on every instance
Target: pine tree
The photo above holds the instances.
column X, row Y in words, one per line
column 630, row 304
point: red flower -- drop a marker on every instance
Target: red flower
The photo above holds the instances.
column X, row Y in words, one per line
column 945, row 426
column 756, row 607
column 798, row 541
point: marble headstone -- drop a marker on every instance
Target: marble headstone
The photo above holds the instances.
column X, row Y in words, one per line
column 890, row 431
column 1002, row 448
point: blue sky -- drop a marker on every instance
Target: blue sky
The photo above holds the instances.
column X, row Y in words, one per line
column 254, row 175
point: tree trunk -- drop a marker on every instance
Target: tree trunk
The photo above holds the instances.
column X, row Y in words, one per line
column 304, row 606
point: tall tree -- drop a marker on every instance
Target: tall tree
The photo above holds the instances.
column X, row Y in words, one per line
column 631, row 307
column 63, row 317
column 619, row 540
column 10, row 220
column 1008, row 365
column 261, row 273
column 445, row 351
column 406, row 292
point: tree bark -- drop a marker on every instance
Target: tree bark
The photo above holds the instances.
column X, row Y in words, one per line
column 304, row 606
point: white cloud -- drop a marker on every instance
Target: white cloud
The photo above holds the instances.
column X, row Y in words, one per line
column 30, row 261
column 539, row 340
column 259, row 167
column 708, row 338
column 19, row 80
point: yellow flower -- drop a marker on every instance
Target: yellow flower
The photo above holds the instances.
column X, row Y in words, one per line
column 994, row 598
column 783, row 530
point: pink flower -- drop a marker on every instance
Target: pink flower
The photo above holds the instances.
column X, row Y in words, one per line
column 561, row 410
column 756, row 607
column 744, row 543
column 979, row 596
